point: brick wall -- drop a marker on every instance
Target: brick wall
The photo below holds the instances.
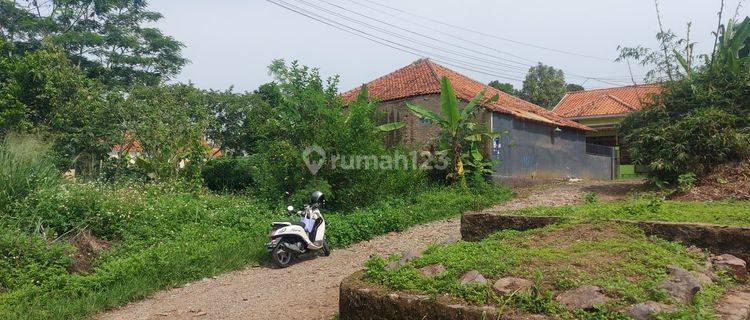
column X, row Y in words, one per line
column 417, row 133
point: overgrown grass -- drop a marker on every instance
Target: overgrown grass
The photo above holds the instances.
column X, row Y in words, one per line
column 163, row 236
column 24, row 167
column 735, row 213
column 621, row 259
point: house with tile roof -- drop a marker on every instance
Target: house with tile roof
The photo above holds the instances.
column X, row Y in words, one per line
column 603, row 110
column 539, row 143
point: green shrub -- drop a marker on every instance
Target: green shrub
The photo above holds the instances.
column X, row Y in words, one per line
column 228, row 173
column 279, row 172
column 698, row 122
column 302, row 196
column 311, row 113
column 25, row 165
column 590, row 198
column 27, row 259
column 43, row 90
column 693, row 142
column 63, row 208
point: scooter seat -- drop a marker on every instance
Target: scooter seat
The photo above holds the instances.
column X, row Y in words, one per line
column 287, row 224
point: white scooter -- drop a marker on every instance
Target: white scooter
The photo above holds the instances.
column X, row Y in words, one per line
column 289, row 240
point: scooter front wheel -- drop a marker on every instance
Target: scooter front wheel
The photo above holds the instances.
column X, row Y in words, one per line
column 282, row 256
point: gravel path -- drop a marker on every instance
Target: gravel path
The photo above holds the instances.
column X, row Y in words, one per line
column 309, row 289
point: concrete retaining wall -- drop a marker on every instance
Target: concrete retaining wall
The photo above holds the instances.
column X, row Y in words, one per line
column 476, row 226
column 363, row 301
column 715, row 238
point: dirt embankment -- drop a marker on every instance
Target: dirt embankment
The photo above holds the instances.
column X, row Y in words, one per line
column 728, row 181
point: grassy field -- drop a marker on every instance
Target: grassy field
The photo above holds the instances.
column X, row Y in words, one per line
column 735, row 213
column 625, row 263
column 162, row 237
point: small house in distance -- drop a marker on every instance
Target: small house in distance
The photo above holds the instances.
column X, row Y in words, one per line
column 603, row 110
column 539, row 143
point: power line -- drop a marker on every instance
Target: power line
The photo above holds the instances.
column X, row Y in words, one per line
column 458, row 63
column 486, row 34
column 474, row 65
column 380, row 40
column 614, row 78
column 487, row 63
column 441, row 31
column 603, row 79
column 433, row 38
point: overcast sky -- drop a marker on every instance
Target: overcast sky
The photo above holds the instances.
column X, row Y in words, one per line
column 231, row 42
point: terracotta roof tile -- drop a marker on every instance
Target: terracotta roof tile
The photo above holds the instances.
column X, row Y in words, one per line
column 423, row 77
column 602, row 102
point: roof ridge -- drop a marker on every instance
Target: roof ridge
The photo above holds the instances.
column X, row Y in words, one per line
column 496, row 90
column 414, row 63
column 532, row 107
column 613, row 88
column 430, row 65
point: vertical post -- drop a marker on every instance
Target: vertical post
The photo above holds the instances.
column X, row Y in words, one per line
column 615, row 162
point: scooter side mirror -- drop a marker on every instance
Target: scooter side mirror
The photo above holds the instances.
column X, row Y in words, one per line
column 290, row 209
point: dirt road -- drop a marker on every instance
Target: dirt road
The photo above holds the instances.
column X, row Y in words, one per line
column 309, row 289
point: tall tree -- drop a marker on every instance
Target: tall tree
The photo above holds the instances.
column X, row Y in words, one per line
column 573, row 87
column 240, row 120
column 270, row 93
column 544, row 85
column 505, row 87
column 44, row 92
column 169, row 123
column 108, row 38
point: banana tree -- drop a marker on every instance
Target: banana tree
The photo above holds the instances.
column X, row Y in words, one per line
column 456, row 124
column 733, row 40
column 731, row 49
column 474, row 162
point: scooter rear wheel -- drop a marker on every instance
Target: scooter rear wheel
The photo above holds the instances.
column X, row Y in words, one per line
column 282, row 256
